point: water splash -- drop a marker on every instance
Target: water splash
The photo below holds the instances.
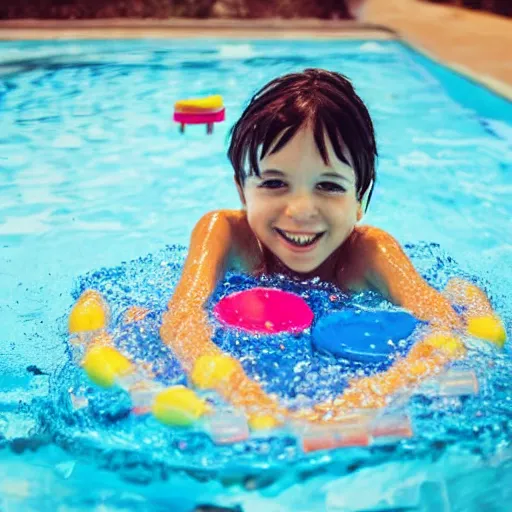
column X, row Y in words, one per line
column 98, row 424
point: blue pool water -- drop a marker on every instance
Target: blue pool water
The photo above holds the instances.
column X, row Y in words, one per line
column 93, row 173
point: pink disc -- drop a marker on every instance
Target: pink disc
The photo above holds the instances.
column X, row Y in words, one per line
column 264, row 310
column 200, row 117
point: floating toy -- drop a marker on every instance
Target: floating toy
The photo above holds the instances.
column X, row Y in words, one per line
column 357, row 429
column 207, row 111
column 365, row 336
column 176, row 405
column 90, row 313
column 415, row 361
column 489, row 328
column 106, row 367
column 211, row 371
column 264, row 311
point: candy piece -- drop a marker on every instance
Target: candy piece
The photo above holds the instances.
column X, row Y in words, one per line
column 450, row 345
column 210, row 371
column 90, row 313
column 454, row 382
column 488, row 328
column 104, row 365
column 227, row 427
column 262, row 422
column 335, row 436
column 178, row 406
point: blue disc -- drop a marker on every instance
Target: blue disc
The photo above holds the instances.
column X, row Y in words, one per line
column 364, row 336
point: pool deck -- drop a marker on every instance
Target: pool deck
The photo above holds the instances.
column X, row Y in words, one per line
column 471, row 42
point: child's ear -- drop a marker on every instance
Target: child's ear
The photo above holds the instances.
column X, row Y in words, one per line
column 240, row 191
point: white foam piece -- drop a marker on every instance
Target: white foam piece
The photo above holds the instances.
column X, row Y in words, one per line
column 372, row 47
column 236, row 51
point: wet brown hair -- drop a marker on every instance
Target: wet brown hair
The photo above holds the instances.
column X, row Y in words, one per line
column 324, row 99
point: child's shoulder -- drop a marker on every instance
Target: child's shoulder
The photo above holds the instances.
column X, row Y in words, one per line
column 233, row 224
column 367, row 235
column 371, row 243
column 223, row 220
column 224, row 215
column 244, row 249
column 367, row 247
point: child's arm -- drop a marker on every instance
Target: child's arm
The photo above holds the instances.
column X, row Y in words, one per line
column 185, row 328
column 390, row 271
column 209, row 250
column 387, row 269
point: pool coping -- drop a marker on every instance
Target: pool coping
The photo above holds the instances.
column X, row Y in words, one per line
column 127, row 28
column 495, row 85
column 191, row 28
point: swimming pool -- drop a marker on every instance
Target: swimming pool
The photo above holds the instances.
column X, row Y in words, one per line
column 93, row 173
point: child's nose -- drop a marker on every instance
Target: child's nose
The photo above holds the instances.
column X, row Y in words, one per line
column 301, row 207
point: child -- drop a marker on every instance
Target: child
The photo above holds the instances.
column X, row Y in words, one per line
column 303, row 154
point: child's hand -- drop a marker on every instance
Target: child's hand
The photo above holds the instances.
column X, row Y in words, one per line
column 477, row 313
column 189, row 337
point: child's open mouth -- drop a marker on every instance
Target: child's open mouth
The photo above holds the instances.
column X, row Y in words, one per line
column 299, row 239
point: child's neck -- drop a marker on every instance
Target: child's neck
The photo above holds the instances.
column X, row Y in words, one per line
column 326, row 271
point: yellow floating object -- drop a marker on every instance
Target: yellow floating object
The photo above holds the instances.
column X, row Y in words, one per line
column 89, row 313
column 200, row 105
column 448, row 344
column 104, row 365
column 262, row 422
column 417, row 368
column 178, row 406
column 454, row 348
column 210, row 371
column 489, row 328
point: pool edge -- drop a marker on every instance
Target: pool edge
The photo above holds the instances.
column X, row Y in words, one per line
column 498, row 87
column 180, row 28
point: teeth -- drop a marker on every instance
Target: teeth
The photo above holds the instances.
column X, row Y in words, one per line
column 299, row 239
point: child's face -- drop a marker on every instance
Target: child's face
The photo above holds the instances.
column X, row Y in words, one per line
column 301, row 209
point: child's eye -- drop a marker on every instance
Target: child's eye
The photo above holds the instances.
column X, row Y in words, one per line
column 273, row 184
column 329, row 186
